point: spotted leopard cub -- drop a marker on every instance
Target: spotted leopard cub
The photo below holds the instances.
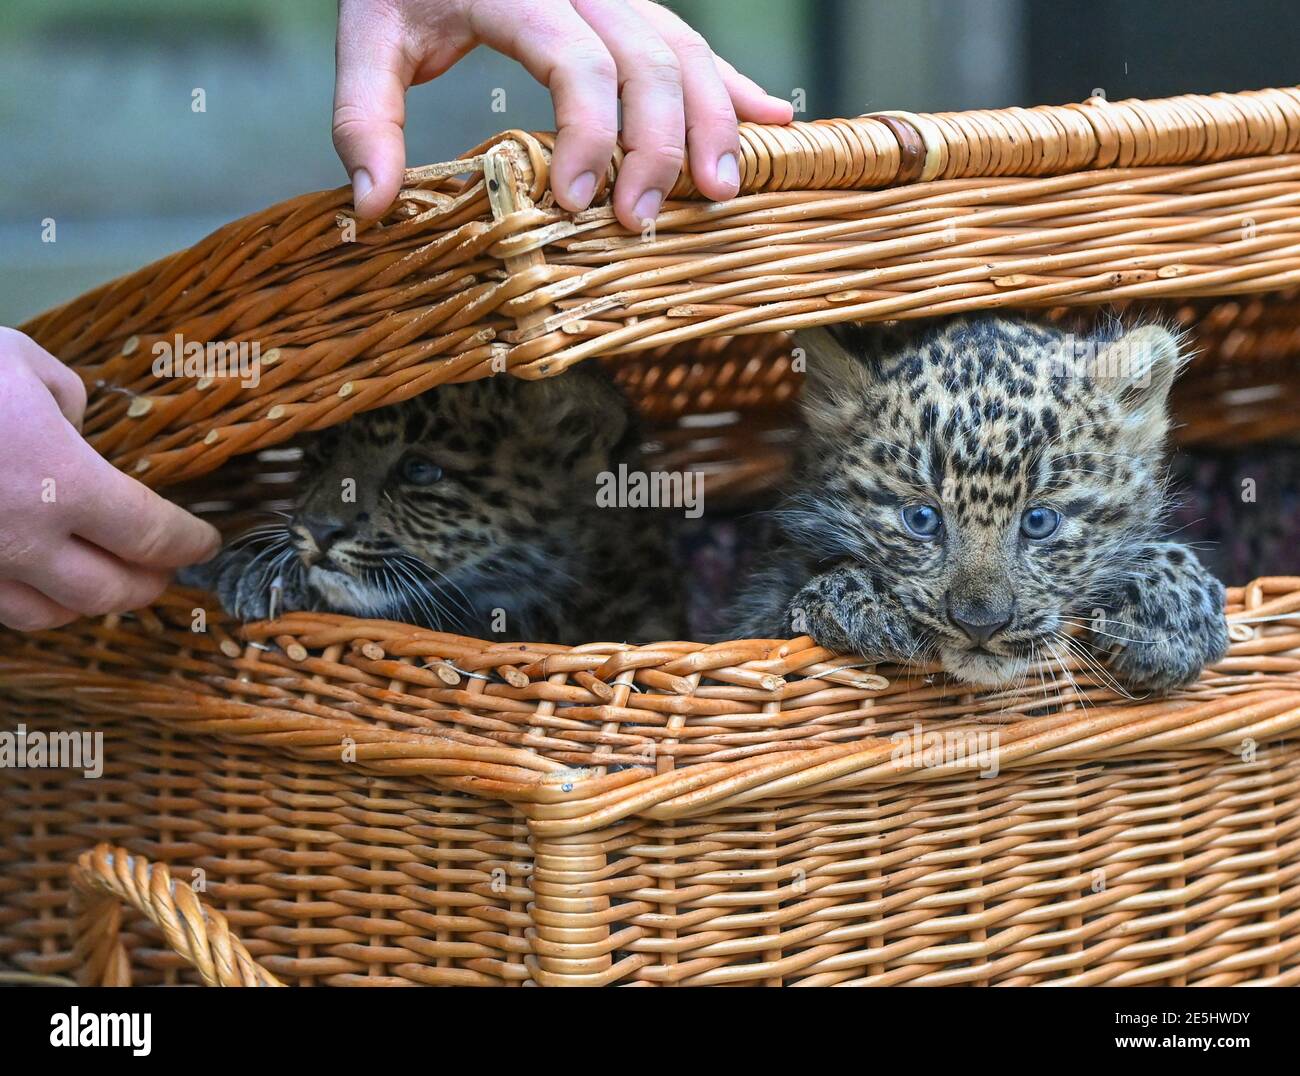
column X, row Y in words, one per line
column 471, row 509
column 972, row 488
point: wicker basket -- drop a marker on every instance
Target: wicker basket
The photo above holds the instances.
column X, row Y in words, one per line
column 326, row 800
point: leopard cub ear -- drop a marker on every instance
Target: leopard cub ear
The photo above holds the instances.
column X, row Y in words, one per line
column 1139, row 367
column 578, row 414
column 836, row 377
column 1138, row 370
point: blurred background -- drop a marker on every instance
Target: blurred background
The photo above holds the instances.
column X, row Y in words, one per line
column 98, row 133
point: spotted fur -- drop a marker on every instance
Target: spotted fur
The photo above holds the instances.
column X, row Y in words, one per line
column 506, row 542
column 985, row 418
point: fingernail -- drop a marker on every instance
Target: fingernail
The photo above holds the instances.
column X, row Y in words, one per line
column 362, row 185
column 647, row 206
column 582, row 188
column 729, row 172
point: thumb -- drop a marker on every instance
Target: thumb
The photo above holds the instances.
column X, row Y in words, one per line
column 371, row 79
column 131, row 521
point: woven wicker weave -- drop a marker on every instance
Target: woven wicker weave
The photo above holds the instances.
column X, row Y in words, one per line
column 368, row 802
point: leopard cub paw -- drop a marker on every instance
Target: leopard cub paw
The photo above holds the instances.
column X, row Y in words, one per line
column 1168, row 621
column 843, row 611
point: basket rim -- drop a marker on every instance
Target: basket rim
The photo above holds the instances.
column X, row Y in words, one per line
column 1229, row 715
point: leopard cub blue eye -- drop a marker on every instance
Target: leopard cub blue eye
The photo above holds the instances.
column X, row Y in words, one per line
column 418, row 471
column 922, row 520
column 1039, row 522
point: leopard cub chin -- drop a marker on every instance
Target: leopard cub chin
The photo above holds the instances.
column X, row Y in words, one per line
column 983, row 667
column 989, row 493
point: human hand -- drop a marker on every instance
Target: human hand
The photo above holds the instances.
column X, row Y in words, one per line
column 676, row 93
column 77, row 536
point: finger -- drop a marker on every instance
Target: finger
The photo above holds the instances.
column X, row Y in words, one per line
column 132, row 522
column 712, row 142
column 75, row 575
column 566, row 56
column 750, row 100
column 24, row 608
column 68, row 390
column 654, row 124
column 372, row 76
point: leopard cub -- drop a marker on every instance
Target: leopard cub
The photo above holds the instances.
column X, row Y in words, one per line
column 988, row 491
column 473, row 509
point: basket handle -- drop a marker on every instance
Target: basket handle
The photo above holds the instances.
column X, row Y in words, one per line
column 107, row 878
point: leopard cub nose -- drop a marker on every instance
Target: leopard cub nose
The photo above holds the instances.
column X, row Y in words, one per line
column 979, row 623
column 323, row 530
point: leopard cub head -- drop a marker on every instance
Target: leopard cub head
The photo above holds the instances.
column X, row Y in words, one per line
column 995, row 474
column 473, row 493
